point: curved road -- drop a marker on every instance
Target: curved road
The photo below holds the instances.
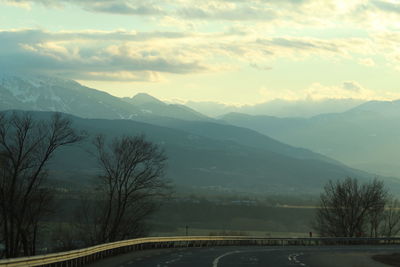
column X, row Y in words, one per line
column 324, row 256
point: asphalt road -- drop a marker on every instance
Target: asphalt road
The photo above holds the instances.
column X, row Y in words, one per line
column 324, row 256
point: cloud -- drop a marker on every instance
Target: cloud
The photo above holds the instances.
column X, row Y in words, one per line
column 28, row 3
column 367, row 62
column 228, row 12
column 388, row 6
column 290, row 14
column 387, row 46
column 348, row 89
column 21, row 4
column 35, row 35
column 317, row 91
column 123, row 51
column 297, row 47
column 121, row 76
column 80, row 54
column 123, row 8
column 352, row 86
column 299, row 44
column 260, row 67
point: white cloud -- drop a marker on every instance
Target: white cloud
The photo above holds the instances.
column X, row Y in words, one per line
column 367, row 62
column 80, row 54
column 169, row 52
column 346, row 90
column 187, row 37
column 260, row 67
column 368, row 15
column 352, row 86
column 210, row 36
column 318, row 91
column 121, row 76
column 227, row 11
column 21, row 4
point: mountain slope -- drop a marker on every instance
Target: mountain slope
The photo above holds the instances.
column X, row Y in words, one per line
column 197, row 161
column 366, row 137
column 239, row 135
column 152, row 106
column 381, row 108
column 32, row 92
column 46, row 93
column 278, row 107
column 43, row 93
column 202, row 152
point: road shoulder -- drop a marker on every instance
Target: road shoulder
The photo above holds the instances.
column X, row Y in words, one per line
column 128, row 257
column 350, row 259
column 392, row 259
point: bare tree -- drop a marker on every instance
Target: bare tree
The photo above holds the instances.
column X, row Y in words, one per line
column 131, row 180
column 26, row 146
column 375, row 217
column 390, row 220
column 65, row 237
column 346, row 207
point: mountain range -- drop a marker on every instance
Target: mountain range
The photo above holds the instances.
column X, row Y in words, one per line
column 365, row 137
column 202, row 152
column 198, row 161
column 43, row 93
column 278, row 107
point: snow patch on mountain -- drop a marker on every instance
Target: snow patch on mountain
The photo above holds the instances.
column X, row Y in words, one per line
column 44, row 93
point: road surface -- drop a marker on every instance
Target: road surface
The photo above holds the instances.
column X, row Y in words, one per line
column 324, row 256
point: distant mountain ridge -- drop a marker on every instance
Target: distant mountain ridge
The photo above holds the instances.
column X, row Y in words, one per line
column 143, row 99
column 72, row 98
column 150, row 105
column 203, row 152
column 43, row 93
column 383, row 108
column 366, row 137
column 196, row 161
column 279, row 107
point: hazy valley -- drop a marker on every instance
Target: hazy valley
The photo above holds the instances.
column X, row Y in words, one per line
column 199, row 133
column 365, row 137
column 202, row 152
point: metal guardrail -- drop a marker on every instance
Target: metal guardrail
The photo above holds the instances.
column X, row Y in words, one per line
column 81, row 257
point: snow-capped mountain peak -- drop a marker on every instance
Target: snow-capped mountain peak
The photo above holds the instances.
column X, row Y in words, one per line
column 44, row 93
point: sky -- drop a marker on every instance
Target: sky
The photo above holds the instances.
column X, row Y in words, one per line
column 228, row 51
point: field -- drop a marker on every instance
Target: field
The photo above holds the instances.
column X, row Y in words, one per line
column 238, row 218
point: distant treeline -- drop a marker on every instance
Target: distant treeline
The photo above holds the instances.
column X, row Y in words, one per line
column 219, row 212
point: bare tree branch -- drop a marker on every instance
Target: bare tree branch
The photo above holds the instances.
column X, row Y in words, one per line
column 26, row 146
column 348, row 209
column 131, row 178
